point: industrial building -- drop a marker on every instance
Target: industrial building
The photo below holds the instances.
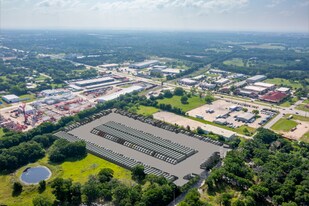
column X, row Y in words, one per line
column 109, row 66
column 217, row 71
column 245, row 117
column 187, row 81
column 11, row 98
column 89, row 82
column 274, row 97
column 240, row 84
column 265, row 85
column 256, row 78
column 285, row 90
column 118, row 94
column 222, row 81
column 199, row 78
column 205, row 85
column 52, row 92
column 145, row 64
column 170, row 71
column 255, row 89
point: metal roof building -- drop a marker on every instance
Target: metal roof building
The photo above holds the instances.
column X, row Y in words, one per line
column 263, row 84
column 11, row 98
column 188, row 81
column 88, row 82
column 118, row 94
column 256, row 89
column 142, row 65
column 256, row 78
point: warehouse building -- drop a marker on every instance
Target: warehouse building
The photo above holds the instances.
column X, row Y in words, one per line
column 11, row 98
column 145, row 64
column 207, row 86
column 89, row 82
column 118, row 94
column 222, row 81
column 285, row 90
column 274, row 97
column 170, row 71
column 255, row 89
column 109, row 66
column 265, row 85
column 256, row 78
column 245, row 117
column 187, row 81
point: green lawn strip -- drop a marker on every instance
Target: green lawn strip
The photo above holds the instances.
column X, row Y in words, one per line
column 193, row 102
column 235, row 62
column 284, row 82
column 239, row 130
column 284, row 125
column 305, row 138
column 302, row 107
column 1, row 132
column 30, row 96
column 78, row 171
column 306, row 101
column 298, row 117
column 146, row 110
column 289, row 102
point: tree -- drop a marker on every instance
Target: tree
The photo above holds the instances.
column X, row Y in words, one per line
column 200, row 130
column 17, row 188
column 184, row 100
column 256, row 112
column 42, row 186
column 41, row 200
column 167, row 94
column 105, row 175
column 244, row 109
column 91, row 189
column 138, row 173
column 209, row 98
column 179, row 91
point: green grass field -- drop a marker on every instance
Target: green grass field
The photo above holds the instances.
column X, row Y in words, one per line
column 302, row 107
column 145, row 110
column 78, row 171
column 298, row 117
column 284, row 82
column 235, row 62
column 30, row 96
column 289, row 102
column 193, row 102
column 1, row 132
column 305, row 138
column 284, row 125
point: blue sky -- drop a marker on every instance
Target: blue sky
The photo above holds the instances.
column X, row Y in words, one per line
column 213, row 15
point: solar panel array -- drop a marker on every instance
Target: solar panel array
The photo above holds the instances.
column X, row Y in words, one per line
column 114, row 157
column 144, row 142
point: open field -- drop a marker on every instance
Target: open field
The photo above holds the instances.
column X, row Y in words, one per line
column 193, row 102
column 301, row 123
column 235, row 62
column 77, row 170
column 284, row 82
column 284, row 125
column 303, row 107
column 145, row 110
column 263, row 46
column 1, row 132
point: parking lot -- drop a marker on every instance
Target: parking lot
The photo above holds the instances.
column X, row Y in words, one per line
column 221, row 110
column 187, row 166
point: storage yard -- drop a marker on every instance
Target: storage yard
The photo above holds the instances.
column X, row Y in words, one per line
column 154, row 147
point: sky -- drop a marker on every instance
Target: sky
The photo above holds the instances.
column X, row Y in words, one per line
column 192, row 15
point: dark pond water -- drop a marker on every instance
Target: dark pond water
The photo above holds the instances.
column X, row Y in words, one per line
column 34, row 175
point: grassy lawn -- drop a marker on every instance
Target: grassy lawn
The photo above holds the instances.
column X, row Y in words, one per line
column 30, row 96
column 289, row 102
column 55, row 86
column 284, row 125
column 41, row 78
column 1, row 132
column 78, row 171
column 235, row 62
column 284, row 82
column 306, row 101
column 193, row 102
column 303, row 107
column 145, row 110
column 298, row 117
column 305, row 138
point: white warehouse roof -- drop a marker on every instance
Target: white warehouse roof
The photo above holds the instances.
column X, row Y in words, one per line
column 255, row 88
column 10, row 97
column 263, row 84
column 118, row 94
column 93, row 81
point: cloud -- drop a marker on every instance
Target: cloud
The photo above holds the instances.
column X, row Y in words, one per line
column 206, row 5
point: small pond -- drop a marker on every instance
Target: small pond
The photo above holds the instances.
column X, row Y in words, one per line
column 33, row 175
